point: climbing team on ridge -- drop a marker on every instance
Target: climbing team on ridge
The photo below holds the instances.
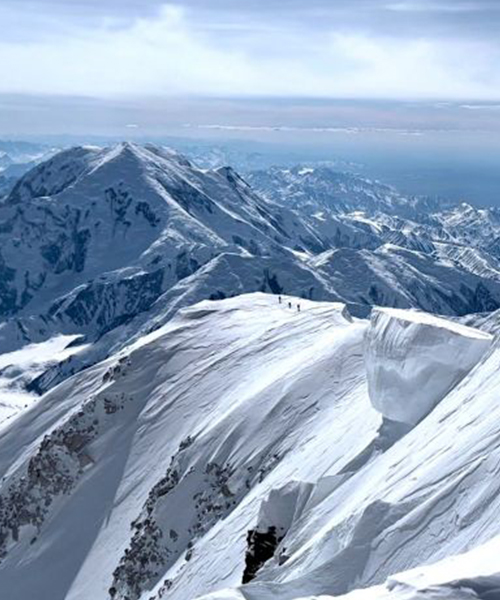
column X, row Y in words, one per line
column 289, row 304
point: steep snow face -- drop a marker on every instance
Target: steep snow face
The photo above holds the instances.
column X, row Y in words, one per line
column 414, row 359
column 402, row 278
column 240, row 439
column 233, row 399
column 431, row 495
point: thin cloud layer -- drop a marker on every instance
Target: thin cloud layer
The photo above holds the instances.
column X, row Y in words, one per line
column 364, row 49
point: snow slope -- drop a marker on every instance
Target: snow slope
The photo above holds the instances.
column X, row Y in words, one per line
column 432, row 494
column 142, row 476
column 470, row 576
column 223, row 408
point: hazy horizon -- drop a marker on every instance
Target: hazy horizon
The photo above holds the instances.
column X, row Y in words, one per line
column 408, row 88
column 446, row 149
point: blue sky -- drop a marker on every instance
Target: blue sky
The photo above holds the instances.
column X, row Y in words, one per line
column 391, row 49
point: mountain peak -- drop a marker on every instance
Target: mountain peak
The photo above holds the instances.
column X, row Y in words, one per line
column 54, row 175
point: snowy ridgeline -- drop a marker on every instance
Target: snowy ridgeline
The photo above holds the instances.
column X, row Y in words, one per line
column 249, row 451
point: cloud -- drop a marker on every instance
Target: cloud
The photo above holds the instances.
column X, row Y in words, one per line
column 482, row 107
column 168, row 50
column 423, row 6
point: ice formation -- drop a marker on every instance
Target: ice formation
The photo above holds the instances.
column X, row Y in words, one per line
column 414, row 359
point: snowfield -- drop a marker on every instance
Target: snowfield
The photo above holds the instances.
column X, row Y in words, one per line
column 242, row 438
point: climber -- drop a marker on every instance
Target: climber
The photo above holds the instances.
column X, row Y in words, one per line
column 298, row 307
column 279, row 299
column 289, row 305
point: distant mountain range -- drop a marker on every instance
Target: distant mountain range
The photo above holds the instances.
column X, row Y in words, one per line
column 17, row 158
column 109, row 243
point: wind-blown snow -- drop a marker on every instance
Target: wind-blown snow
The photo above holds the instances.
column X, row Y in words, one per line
column 414, row 359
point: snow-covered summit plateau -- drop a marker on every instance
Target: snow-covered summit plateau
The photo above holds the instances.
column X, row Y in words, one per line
column 239, row 442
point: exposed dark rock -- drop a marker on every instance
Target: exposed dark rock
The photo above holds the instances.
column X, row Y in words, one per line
column 53, row 471
column 261, row 546
column 143, row 208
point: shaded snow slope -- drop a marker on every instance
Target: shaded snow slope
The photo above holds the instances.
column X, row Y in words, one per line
column 401, row 278
column 414, row 359
column 160, row 472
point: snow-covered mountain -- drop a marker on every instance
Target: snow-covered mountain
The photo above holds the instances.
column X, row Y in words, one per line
column 414, row 222
column 344, row 192
column 85, row 230
column 23, row 153
column 386, row 248
column 307, row 454
column 106, row 244
column 17, row 158
column 301, row 432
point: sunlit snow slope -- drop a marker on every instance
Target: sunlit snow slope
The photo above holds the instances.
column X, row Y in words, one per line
column 239, row 440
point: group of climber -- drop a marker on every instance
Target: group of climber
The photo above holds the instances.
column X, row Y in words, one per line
column 289, row 304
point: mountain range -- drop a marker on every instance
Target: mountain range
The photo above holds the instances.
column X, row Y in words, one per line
column 107, row 243
column 249, row 451
column 277, row 386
